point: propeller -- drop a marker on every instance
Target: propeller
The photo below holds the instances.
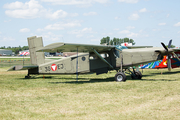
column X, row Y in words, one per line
column 169, row 62
column 169, row 55
column 164, row 46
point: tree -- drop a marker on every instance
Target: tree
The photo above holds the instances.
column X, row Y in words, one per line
column 129, row 41
column 126, row 40
column 132, row 41
column 25, row 48
column 172, row 46
column 16, row 49
column 116, row 41
column 3, row 47
column 105, row 40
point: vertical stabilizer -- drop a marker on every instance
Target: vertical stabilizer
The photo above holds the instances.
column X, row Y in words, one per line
column 34, row 44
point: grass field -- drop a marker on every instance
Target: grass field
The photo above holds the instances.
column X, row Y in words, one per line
column 156, row 96
column 7, row 62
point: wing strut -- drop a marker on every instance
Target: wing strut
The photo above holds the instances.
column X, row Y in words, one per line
column 77, row 66
column 102, row 58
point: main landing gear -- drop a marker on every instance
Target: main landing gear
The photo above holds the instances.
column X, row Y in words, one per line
column 121, row 77
column 27, row 76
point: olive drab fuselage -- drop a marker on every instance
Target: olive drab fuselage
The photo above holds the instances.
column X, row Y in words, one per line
column 90, row 63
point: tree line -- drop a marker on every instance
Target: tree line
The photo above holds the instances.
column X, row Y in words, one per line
column 116, row 41
column 15, row 49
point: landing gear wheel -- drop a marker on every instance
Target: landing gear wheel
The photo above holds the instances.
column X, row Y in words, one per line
column 120, row 77
column 137, row 75
column 27, row 77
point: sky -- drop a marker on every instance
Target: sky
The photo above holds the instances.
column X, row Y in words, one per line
column 147, row 22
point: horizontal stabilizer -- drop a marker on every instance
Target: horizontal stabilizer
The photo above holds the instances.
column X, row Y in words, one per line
column 21, row 67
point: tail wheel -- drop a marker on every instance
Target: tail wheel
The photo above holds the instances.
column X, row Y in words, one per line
column 120, row 77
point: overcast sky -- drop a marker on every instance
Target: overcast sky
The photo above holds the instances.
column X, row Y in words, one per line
column 148, row 22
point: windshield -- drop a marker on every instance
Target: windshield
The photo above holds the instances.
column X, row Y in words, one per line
column 118, row 49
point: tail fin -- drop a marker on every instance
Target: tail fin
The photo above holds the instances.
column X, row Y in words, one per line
column 34, row 44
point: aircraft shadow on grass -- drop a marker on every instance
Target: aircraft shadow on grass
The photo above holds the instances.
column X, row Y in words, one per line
column 171, row 72
column 104, row 80
column 72, row 80
column 84, row 80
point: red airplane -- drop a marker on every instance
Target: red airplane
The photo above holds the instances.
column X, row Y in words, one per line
column 174, row 62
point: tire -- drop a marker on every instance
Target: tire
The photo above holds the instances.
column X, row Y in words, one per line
column 120, row 77
column 138, row 75
column 27, row 77
column 133, row 77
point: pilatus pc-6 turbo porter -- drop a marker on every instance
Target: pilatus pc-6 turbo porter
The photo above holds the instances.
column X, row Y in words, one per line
column 90, row 59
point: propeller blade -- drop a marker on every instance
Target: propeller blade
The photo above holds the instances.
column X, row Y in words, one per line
column 169, row 45
column 164, row 46
column 169, row 63
column 175, row 56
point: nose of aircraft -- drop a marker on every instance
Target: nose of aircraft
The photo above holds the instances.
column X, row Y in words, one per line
column 169, row 51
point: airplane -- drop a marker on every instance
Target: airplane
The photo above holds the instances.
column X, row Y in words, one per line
column 97, row 59
column 160, row 64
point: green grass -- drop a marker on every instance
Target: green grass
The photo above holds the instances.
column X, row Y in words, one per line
column 7, row 62
column 156, row 96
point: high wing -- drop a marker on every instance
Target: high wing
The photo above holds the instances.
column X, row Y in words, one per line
column 133, row 47
column 71, row 47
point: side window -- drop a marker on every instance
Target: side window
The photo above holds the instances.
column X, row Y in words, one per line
column 94, row 56
column 104, row 55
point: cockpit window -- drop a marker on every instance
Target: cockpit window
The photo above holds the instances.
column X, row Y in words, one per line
column 116, row 53
column 118, row 49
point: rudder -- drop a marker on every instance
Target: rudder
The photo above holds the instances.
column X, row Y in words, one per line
column 34, row 44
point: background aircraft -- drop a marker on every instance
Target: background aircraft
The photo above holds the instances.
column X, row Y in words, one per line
column 164, row 63
column 92, row 59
